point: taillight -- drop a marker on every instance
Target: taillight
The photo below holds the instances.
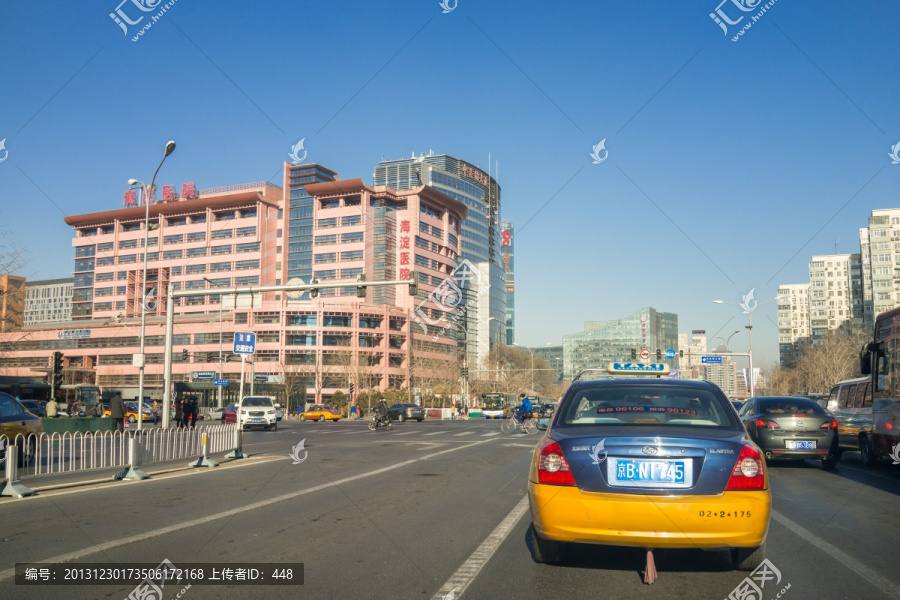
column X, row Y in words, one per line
column 766, row 423
column 749, row 471
column 553, row 468
column 829, row 425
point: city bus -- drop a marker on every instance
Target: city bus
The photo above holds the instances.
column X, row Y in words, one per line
column 495, row 405
column 25, row 390
column 880, row 361
column 84, row 396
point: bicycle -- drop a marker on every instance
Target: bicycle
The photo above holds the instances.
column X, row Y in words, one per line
column 528, row 425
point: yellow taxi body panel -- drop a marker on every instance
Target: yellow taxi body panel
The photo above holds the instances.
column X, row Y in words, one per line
column 735, row 519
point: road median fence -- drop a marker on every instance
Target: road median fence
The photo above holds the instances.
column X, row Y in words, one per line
column 69, row 452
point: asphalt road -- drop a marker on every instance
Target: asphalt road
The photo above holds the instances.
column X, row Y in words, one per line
column 419, row 511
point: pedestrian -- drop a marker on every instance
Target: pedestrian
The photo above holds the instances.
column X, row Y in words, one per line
column 179, row 413
column 155, row 412
column 117, row 412
column 98, row 409
column 52, row 408
column 190, row 411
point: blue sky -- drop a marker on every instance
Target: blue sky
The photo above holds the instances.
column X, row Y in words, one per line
column 729, row 163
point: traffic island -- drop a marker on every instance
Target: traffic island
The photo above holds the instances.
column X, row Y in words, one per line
column 76, row 425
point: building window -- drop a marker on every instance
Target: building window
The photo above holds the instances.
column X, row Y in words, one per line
column 175, row 271
column 127, row 259
column 245, row 281
column 198, row 219
column 327, row 223
column 245, row 231
column 219, row 266
column 222, row 234
column 192, row 269
column 351, row 220
column 243, row 265
column 251, row 247
column 326, row 240
column 218, row 250
column 175, row 222
column 173, row 254
column 352, row 255
column 225, row 216
column 329, row 257
column 197, row 236
column 248, row 213
column 351, row 238
column 192, row 252
column 173, row 239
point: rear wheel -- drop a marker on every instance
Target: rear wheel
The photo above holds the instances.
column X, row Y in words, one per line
column 747, row 559
column 865, row 451
column 274, row 427
column 830, row 463
column 131, row 419
column 419, row 420
column 545, row 551
column 372, row 425
column 530, row 426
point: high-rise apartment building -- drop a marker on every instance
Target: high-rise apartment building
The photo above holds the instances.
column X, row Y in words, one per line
column 884, row 255
column 48, row 301
column 480, row 240
column 835, row 293
column 12, row 302
column 793, row 321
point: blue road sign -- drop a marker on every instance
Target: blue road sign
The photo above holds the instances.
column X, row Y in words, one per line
column 670, row 354
column 244, row 343
column 221, row 382
column 711, row 360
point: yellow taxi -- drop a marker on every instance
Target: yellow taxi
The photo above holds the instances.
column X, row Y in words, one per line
column 131, row 412
column 320, row 412
column 20, row 427
column 648, row 463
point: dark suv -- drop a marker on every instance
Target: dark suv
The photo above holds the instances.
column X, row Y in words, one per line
column 402, row 412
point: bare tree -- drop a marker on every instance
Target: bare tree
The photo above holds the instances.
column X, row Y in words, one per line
column 820, row 365
column 294, row 380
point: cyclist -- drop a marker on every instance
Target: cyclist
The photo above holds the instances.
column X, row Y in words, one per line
column 524, row 408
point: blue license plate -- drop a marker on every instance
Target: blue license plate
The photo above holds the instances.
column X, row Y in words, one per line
column 795, row 445
column 256, row 420
column 627, row 472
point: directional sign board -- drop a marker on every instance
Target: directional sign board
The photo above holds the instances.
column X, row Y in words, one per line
column 221, row 382
column 711, row 360
column 198, row 375
column 244, row 343
column 638, row 368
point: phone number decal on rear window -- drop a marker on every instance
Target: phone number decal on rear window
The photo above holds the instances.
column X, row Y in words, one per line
column 724, row 514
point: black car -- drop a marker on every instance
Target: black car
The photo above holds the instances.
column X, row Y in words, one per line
column 543, row 414
column 404, row 411
column 35, row 407
column 792, row 428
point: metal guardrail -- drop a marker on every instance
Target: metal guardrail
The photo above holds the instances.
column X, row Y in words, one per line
column 46, row 454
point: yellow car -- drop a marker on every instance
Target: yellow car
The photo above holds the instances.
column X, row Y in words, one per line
column 15, row 420
column 649, row 463
column 320, row 412
column 131, row 412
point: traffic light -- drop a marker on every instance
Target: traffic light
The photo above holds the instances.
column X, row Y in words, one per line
column 57, row 369
column 658, row 354
column 352, row 389
column 233, row 358
column 360, row 293
column 314, row 293
column 184, row 355
column 465, row 372
column 413, row 283
column 210, row 357
column 681, row 354
column 633, row 354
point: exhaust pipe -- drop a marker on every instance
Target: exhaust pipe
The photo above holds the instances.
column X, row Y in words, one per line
column 768, row 456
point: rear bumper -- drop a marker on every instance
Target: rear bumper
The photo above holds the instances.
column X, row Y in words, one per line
column 729, row 520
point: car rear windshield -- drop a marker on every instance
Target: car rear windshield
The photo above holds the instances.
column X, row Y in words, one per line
column 257, row 402
column 790, row 406
column 647, row 405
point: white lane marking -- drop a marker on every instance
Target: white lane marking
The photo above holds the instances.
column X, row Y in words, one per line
column 493, row 433
column 520, row 445
column 178, row 527
column 887, row 586
column 463, row 433
column 406, row 433
column 425, row 445
column 434, row 433
column 469, row 570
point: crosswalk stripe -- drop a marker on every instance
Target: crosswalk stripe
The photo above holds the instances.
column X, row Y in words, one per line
column 406, row 433
column 491, row 434
column 434, row 433
column 463, row 433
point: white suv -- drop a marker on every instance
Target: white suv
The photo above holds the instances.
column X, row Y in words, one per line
column 258, row 411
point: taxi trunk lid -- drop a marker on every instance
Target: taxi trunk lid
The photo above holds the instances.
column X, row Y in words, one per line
column 638, row 462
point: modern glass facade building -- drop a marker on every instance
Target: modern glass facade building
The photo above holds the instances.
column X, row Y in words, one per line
column 480, row 240
column 299, row 218
column 48, row 301
column 603, row 342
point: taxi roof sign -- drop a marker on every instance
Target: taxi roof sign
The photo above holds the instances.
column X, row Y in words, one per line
column 615, row 368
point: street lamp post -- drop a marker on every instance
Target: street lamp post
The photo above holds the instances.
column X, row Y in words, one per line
column 749, row 327
column 170, row 147
column 219, row 387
